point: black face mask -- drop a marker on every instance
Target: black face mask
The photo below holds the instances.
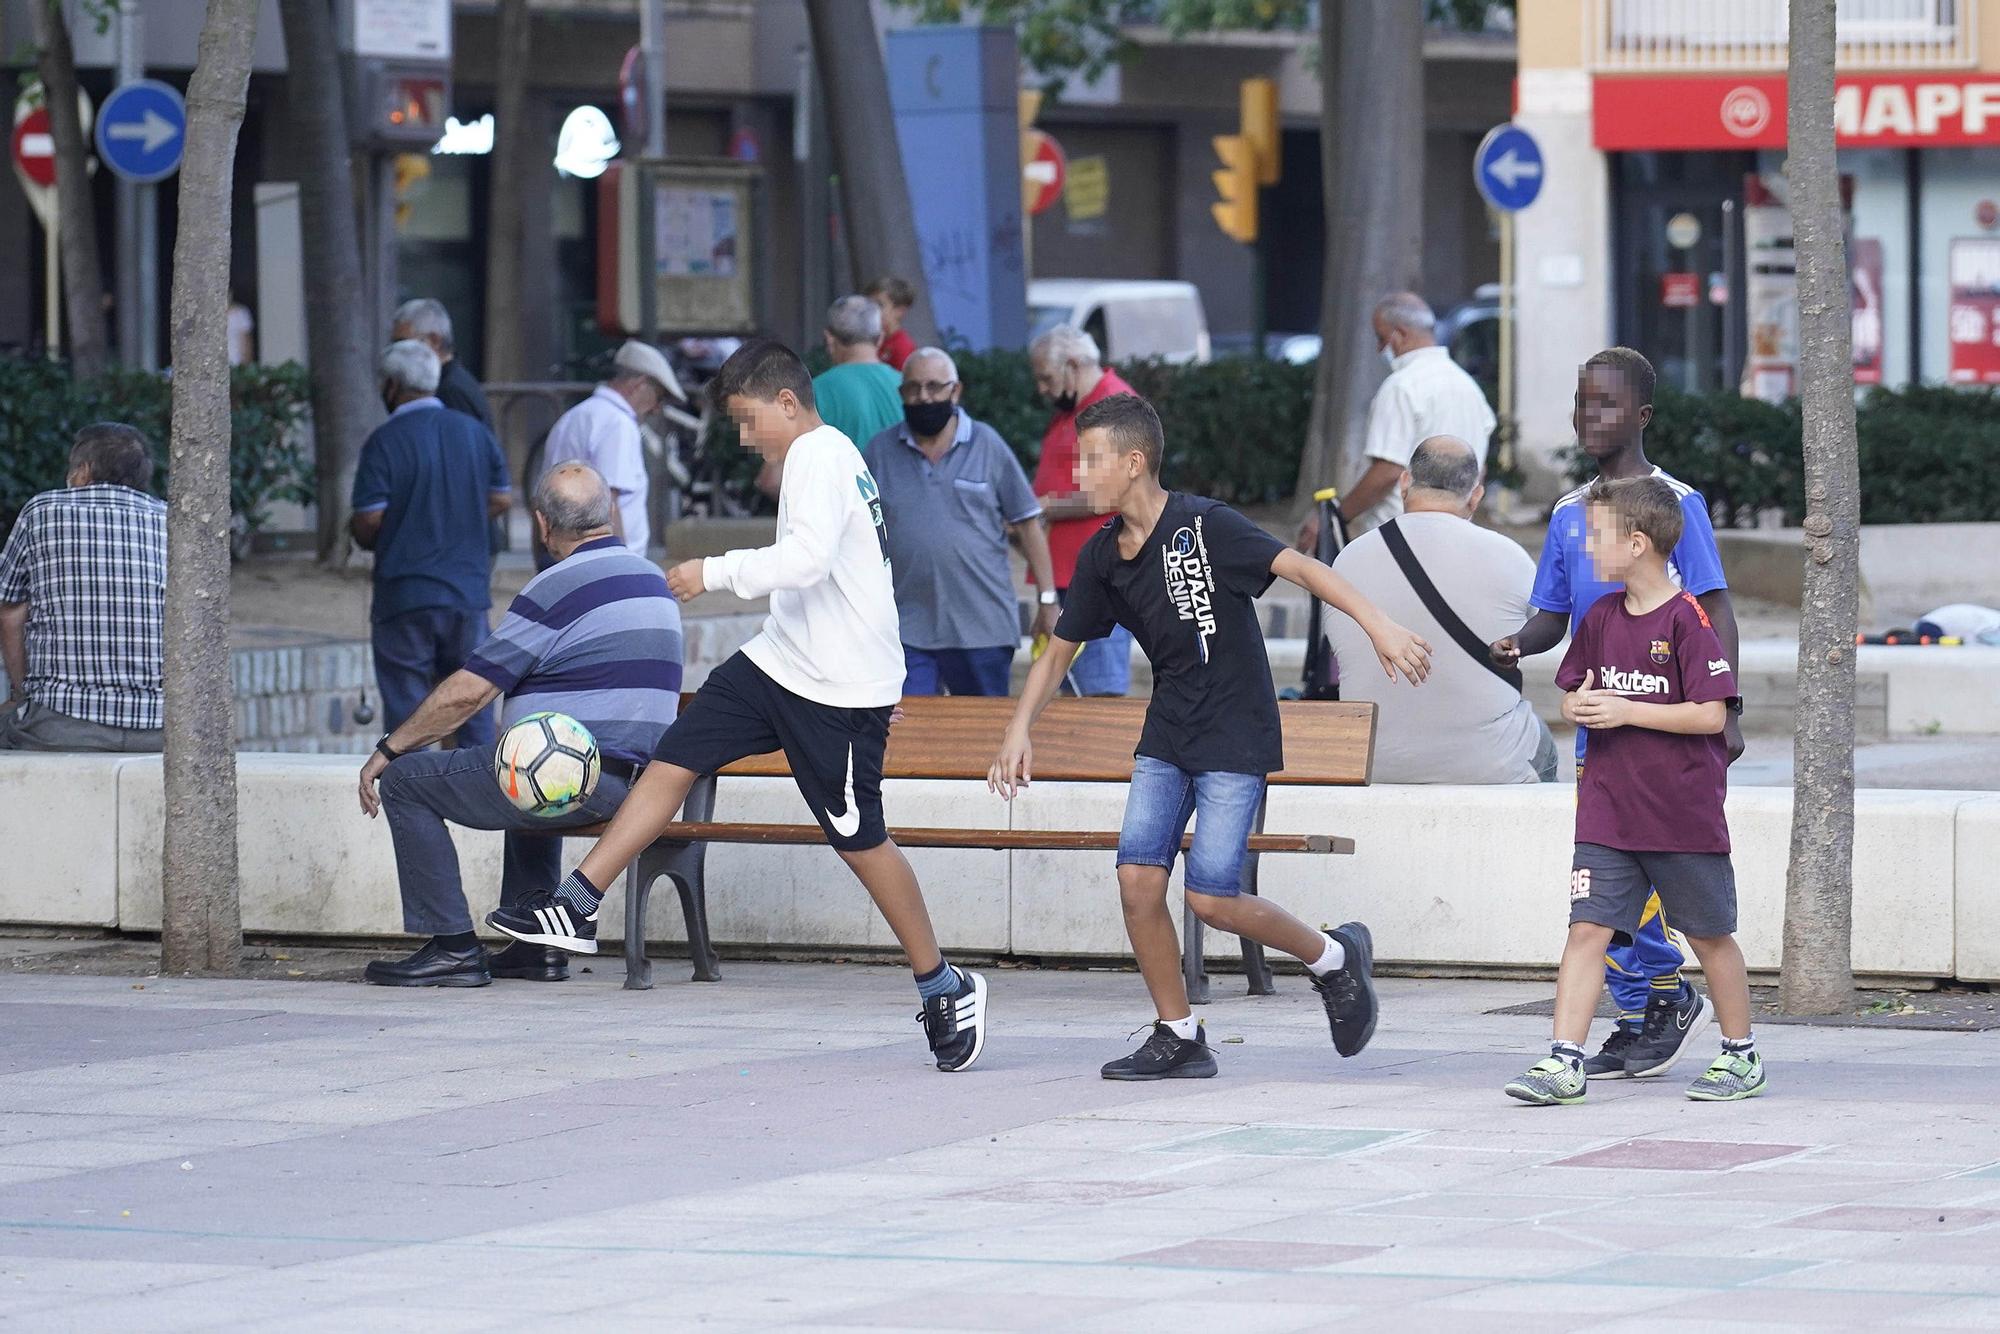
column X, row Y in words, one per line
column 1065, row 401
column 927, row 419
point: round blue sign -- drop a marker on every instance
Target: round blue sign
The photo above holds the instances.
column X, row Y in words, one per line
column 142, row 131
column 1508, row 168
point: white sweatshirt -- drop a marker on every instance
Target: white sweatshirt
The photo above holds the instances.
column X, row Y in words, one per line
column 832, row 635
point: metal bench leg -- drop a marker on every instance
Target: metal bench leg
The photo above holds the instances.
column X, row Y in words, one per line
column 638, row 884
column 1256, row 969
column 1194, row 969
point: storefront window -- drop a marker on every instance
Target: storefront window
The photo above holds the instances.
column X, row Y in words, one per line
column 1961, row 203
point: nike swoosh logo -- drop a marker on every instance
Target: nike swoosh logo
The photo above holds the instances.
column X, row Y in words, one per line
column 848, row 825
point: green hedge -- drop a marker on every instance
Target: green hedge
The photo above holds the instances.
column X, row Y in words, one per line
column 1928, row 454
column 42, row 408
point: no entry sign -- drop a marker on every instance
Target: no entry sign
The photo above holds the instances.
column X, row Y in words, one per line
column 35, row 148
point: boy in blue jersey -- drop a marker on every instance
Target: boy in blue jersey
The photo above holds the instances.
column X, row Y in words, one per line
column 1659, row 1011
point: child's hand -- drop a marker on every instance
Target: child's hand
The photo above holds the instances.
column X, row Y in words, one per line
column 1401, row 650
column 684, row 581
column 1599, row 710
column 1012, row 768
column 1505, row 652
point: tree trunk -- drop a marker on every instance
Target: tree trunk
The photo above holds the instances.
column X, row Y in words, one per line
column 201, row 923
column 512, row 137
column 876, row 220
column 1818, row 976
column 338, row 340
column 1372, row 154
column 76, row 209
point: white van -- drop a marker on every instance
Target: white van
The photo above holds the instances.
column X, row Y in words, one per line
column 1130, row 320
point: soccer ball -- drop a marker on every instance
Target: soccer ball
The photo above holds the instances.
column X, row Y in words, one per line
column 546, row 763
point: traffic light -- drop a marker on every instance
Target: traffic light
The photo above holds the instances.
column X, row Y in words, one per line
column 1236, row 213
column 1258, row 102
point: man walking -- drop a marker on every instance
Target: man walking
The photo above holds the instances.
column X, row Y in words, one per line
column 83, row 585
column 858, row 395
column 1071, row 375
column 611, row 660
column 1469, row 724
column 603, row 433
column 952, row 495
column 1426, row 394
column 428, row 481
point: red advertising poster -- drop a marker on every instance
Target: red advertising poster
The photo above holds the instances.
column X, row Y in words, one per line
column 1975, row 310
column 1680, row 291
column 1864, row 259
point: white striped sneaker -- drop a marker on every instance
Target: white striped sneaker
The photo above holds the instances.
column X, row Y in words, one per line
column 956, row 1024
column 544, row 919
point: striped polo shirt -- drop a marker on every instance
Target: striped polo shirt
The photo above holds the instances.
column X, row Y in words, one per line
column 596, row 636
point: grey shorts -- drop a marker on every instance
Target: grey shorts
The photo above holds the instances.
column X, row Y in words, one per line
column 1609, row 887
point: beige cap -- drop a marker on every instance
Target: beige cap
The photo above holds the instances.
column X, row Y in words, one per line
column 637, row 358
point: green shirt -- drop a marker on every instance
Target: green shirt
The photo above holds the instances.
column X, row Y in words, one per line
column 860, row 400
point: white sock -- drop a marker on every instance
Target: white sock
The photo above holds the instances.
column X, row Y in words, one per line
column 1184, row 1029
column 1330, row 960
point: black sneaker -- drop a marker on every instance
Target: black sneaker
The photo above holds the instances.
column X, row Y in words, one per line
column 956, row 1024
column 434, row 965
column 529, row 963
column 1166, row 1055
column 1348, row 992
column 544, row 919
column 1609, row 1063
column 1672, row 1023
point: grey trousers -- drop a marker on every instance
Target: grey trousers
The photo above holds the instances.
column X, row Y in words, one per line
column 423, row 791
column 34, row 727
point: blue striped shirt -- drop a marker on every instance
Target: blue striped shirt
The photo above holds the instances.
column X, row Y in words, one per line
column 596, row 636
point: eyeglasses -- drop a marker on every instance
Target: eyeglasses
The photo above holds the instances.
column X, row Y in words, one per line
column 925, row 391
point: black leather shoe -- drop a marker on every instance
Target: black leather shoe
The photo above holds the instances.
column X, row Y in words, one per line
column 432, row 966
column 529, row 963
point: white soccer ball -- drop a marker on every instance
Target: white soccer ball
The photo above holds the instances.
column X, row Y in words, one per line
column 546, row 763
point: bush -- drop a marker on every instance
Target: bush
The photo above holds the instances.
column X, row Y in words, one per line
column 1926, row 454
column 42, row 408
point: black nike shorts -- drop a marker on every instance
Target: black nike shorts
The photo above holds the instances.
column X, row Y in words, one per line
column 835, row 754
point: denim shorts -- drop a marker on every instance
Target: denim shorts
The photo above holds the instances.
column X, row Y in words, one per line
column 1162, row 800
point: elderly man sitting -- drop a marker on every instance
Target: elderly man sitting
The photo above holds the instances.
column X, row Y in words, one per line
column 952, row 494
column 1469, row 723
column 82, row 598
column 596, row 636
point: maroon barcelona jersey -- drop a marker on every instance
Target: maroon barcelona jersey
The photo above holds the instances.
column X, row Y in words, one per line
column 1647, row 791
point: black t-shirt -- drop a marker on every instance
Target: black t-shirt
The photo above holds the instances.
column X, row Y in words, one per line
column 1187, row 597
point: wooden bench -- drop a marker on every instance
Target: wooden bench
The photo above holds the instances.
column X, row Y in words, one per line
column 950, row 738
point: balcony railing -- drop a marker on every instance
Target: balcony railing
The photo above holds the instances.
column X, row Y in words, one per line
column 1693, row 36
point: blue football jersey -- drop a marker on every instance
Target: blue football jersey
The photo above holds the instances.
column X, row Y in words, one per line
column 1567, row 583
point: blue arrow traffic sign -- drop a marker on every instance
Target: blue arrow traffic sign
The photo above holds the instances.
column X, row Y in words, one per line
column 1508, row 168
column 142, row 130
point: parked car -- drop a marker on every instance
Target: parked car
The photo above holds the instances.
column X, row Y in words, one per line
column 1130, row 320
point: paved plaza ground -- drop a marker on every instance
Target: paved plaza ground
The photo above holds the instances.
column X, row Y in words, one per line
column 775, row 1151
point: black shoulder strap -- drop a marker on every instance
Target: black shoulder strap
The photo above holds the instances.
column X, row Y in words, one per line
column 1440, row 610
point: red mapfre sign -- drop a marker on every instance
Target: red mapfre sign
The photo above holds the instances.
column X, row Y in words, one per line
column 1869, row 111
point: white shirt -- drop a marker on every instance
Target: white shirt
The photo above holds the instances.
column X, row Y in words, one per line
column 603, row 432
column 1463, row 724
column 832, row 635
column 1426, row 394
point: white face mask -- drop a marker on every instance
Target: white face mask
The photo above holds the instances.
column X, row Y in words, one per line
column 1389, row 354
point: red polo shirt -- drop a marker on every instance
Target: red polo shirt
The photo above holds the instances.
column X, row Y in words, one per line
column 895, row 350
column 1055, row 475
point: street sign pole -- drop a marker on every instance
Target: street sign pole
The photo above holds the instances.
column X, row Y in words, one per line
column 1507, row 169
column 132, row 289
column 1506, row 459
column 653, row 81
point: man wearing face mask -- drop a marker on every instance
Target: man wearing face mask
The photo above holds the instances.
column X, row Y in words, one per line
column 952, row 496
column 1426, row 394
column 1070, row 373
column 427, row 482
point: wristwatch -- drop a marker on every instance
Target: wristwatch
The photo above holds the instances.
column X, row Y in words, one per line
column 387, row 751
column 1047, row 597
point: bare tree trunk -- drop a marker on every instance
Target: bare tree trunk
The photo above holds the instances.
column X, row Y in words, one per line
column 512, row 136
column 76, row 209
column 1818, row 975
column 201, row 923
column 338, row 340
column 876, row 219
column 1372, row 151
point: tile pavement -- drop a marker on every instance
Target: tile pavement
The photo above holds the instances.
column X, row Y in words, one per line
column 775, row 1152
